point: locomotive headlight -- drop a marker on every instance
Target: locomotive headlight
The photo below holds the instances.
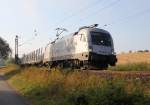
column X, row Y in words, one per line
column 112, row 51
column 90, row 49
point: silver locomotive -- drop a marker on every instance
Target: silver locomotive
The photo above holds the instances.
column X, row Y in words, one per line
column 90, row 47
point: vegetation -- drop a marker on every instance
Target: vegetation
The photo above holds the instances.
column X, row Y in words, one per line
column 132, row 67
column 4, row 49
column 55, row 87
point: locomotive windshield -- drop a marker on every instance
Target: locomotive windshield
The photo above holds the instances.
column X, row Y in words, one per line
column 99, row 38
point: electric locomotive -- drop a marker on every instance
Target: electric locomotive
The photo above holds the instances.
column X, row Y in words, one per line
column 89, row 47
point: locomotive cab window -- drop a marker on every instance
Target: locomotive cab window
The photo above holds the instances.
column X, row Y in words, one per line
column 99, row 38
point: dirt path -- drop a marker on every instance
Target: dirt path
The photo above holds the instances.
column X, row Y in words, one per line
column 8, row 96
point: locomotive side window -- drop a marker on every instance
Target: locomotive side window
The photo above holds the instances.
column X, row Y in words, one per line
column 83, row 38
column 99, row 38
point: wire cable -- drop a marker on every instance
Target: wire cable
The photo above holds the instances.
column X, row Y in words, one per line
column 137, row 14
column 89, row 6
column 29, row 40
column 100, row 10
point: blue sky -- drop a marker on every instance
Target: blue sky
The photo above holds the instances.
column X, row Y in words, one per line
column 128, row 21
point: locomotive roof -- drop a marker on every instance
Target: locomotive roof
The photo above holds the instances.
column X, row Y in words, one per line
column 86, row 28
column 96, row 30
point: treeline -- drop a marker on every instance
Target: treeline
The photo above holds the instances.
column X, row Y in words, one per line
column 5, row 49
column 138, row 51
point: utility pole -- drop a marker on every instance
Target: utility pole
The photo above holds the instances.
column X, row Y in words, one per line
column 16, row 50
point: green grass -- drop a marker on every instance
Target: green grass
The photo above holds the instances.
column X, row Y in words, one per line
column 131, row 67
column 55, row 87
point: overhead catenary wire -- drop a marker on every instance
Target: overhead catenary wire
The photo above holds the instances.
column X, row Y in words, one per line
column 89, row 6
column 137, row 14
column 26, row 41
column 99, row 11
column 29, row 40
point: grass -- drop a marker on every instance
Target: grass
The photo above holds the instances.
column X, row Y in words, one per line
column 132, row 67
column 43, row 87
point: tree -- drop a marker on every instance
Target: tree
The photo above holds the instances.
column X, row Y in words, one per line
column 4, row 49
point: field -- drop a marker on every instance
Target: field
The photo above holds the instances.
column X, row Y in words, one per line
column 129, row 58
column 68, row 87
column 139, row 61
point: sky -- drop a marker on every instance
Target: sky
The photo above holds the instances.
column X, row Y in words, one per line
column 128, row 21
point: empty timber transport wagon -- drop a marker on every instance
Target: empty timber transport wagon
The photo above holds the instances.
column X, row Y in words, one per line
column 89, row 48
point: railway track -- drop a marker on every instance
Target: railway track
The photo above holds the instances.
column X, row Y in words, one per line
column 142, row 75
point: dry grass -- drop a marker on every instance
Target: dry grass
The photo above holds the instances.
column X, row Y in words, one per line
column 55, row 87
column 133, row 58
